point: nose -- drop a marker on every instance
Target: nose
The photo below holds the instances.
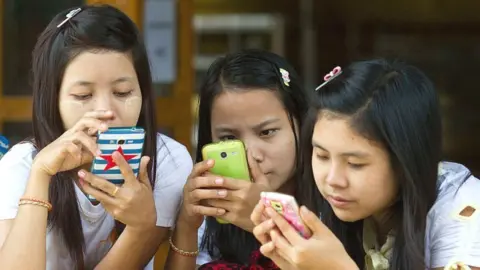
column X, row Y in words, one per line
column 254, row 148
column 336, row 176
column 103, row 103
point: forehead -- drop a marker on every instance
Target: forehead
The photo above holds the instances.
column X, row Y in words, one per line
column 99, row 65
column 232, row 106
column 335, row 133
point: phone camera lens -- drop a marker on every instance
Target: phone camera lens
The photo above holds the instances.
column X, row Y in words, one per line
column 121, row 142
column 223, row 155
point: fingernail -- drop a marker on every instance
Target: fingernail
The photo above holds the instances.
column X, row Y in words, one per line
column 81, row 173
column 210, row 162
column 219, row 181
column 99, row 152
column 222, row 192
column 304, row 210
column 270, row 222
column 220, row 212
column 81, row 182
column 103, row 126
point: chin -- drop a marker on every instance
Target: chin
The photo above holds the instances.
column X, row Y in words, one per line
column 346, row 216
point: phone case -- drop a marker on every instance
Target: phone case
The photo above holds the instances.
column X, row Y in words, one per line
column 230, row 161
column 126, row 140
column 286, row 206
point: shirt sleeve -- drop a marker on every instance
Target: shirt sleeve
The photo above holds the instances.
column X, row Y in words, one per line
column 455, row 234
column 14, row 173
column 174, row 165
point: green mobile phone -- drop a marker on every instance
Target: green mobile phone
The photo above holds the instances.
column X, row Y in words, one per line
column 230, row 161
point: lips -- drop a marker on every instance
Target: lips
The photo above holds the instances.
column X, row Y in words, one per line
column 338, row 201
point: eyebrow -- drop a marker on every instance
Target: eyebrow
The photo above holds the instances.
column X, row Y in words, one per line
column 116, row 81
column 222, row 128
column 357, row 154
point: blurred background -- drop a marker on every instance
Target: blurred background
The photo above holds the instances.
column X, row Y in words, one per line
column 184, row 36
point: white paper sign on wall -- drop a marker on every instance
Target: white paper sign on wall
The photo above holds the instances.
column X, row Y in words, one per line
column 160, row 39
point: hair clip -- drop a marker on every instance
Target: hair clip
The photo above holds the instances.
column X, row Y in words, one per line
column 285, row 76
column 330, row 76
column 70, row 15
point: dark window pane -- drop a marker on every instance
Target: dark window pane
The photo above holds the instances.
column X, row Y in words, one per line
column 23, row 21
column 17, row 131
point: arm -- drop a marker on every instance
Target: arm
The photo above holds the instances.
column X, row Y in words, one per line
column 184, row 238
column 134, row 249
column 19, row 237
column 454, row 233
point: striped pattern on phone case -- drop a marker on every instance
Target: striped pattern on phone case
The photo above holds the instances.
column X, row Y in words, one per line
column 127, row 141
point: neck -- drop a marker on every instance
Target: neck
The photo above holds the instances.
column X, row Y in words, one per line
column 383, row 224
column 287, row 188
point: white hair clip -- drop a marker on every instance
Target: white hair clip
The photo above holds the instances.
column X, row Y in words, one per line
column 70, row 15
column 285, row 76
column 330, row 76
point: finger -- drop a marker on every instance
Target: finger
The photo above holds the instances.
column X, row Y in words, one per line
column 86, row 142
column 257, row 216
column 124, row 167
column 235, row 184
column 204, row 194
column 99, row 195
column 283, row 247
column 255, row 172
column 227, row 205
column 100, row 114
column 312, row 221
column 204, row 182
column 262, row 231
column 143, row 174
column 201, row 167
column 285, row 228
column 268, row 250
column 98, row 183
column 207, row 211
column 91, row 124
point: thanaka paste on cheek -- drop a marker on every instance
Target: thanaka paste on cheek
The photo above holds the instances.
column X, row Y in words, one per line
column 72, row 104
column 134, row 102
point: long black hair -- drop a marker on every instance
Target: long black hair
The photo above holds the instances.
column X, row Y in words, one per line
column 394, row 104
column 243, row 71
column 96, row 28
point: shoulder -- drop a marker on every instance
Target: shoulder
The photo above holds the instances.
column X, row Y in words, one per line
column 21, row 153
column 171, row 156
column 453, row 223
column 15, row 170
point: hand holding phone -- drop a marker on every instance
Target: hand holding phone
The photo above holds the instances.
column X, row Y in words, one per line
column 128, row 141
column 286, row 206
column 230, row 161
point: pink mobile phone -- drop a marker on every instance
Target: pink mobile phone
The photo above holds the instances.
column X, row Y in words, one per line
column 286, row 206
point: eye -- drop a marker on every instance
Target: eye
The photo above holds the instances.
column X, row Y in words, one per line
column 123, row 94
column 82, row 97
column 268, row 132
column 356, row 166
column 227, row 137
column 322, row 157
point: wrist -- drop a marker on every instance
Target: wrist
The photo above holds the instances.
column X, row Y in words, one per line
column 190, row 222
column 40, row 172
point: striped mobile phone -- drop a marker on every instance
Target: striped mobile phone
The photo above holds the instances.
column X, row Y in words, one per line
column 128, row 141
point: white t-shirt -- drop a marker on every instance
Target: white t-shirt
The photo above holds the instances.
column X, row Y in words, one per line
column 174, row 164
column 449, row 237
